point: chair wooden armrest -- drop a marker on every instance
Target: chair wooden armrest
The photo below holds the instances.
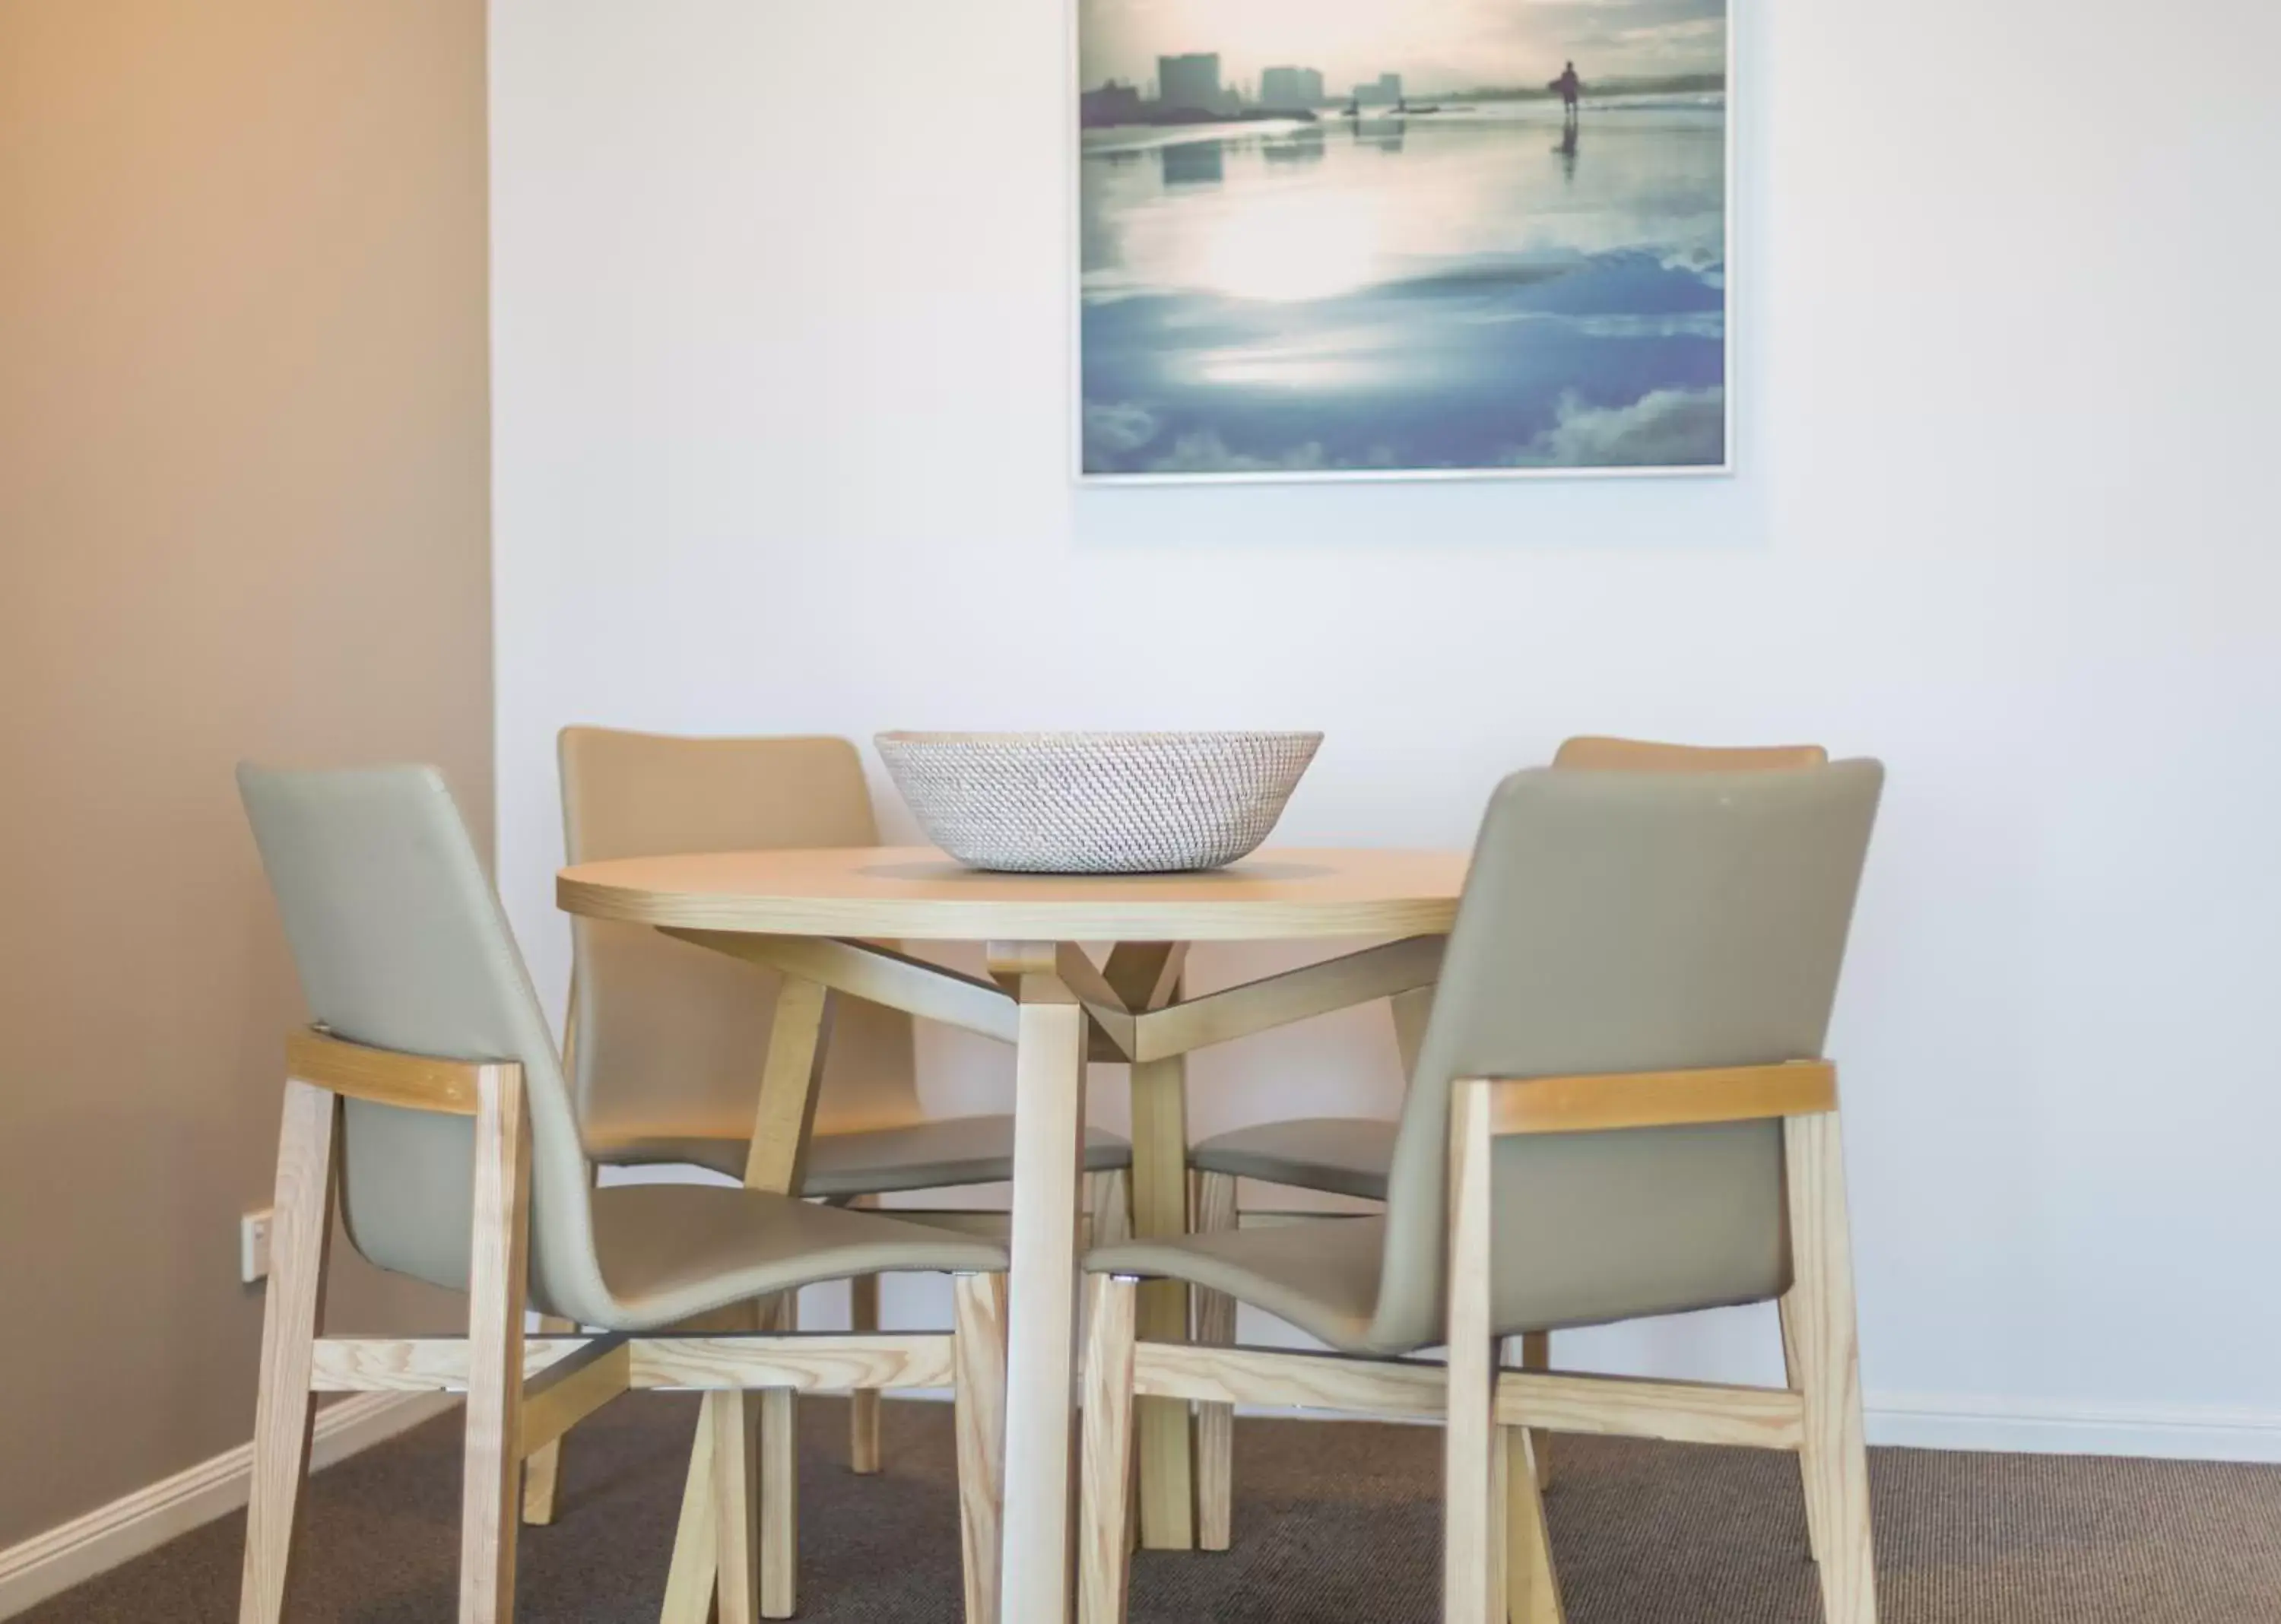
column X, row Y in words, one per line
column 1588, row 1104
column 387, row 1076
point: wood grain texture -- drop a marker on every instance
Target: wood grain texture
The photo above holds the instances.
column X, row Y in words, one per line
column 1108, row 1204
column 417, row 1364
column 863, row 1456
column 542, row 1468
column 1794, row 1372
column 491, row 1499
column 792, row 1080
column 1597, row 754
column 1472, row 1590
column 1635, row 1407
column 1146, row 974
column 791, row 1077
column 876, row 974
column 1391, row 1387
column 1823, row 1337
column 1105, row 1469
column 1214, row 1317
column 779, row 1445
column 733, row 1421
column 916, row 894
column 1299, row 995
column 1531, row 1579
column 1537, row 1355
column 1160, row 1208
column 1048, row 1127
column 300, row 1229
column 818, row 1362
column 570, row 1390
column 689, row 1581
column 1411, row 1012
column 389, row 1076
column 1620, row 1406
column 1660, row 1099
column 978, row 1401
column 1092, row 989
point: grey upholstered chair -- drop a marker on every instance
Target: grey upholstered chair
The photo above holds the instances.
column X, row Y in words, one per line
column 429, row 1093
column 1633, row 1006
column 1352, row 1156
column 667, row 1040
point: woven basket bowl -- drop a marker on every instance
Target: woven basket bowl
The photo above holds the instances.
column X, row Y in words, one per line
column 1097, row 803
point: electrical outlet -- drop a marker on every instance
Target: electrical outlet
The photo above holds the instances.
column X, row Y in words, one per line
column 253, row 1246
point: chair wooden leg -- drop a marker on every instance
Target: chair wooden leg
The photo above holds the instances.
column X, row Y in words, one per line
column 780, row 1481
column 1821, row 1339
column 542, row 1471
column 1536, row 1354
column 864, row 1403
column 1215, row 1314
column 1471, row 1591
column 300, row 1228
column 1164, row 1426
column 1796, row 1376
column 1108, row 1199
column 979, row 1398
column 732, row 1420
column 1105, row 1470
column 1532, row 1585
column 490, row 1501
column 688, row 1584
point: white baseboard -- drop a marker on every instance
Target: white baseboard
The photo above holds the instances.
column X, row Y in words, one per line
column 50, row 1563
column 2031, row 1426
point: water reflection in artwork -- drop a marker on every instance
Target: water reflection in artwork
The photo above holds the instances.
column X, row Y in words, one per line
column 1453, row 242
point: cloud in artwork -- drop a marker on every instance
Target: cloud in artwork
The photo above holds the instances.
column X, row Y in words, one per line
column 1668, row 428
column 1205, row 453
column 1117, row 429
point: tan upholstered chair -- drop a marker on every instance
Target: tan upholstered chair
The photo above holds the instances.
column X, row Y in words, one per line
column 1629, row 1022
column 667, row 1040
column 428, row 1093
column 1352, row 1156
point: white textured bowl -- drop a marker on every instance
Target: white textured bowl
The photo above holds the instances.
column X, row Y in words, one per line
column 1097, row 803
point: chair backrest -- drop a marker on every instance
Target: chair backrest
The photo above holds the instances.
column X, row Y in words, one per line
column 667, row 1037
column 1627, row 922
column 401, row 944
column 1594, row 755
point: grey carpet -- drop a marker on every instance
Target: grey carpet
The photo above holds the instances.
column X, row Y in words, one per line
column 1334, row 1521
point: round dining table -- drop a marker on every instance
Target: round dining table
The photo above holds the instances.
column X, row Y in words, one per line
column 819, row 917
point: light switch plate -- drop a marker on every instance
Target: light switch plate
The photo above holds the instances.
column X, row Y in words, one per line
column 253, row 1246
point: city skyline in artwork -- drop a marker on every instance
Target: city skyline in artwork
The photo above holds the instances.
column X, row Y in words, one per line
column 1366, row 237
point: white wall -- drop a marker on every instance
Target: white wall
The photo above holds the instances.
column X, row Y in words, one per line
column 782, row 392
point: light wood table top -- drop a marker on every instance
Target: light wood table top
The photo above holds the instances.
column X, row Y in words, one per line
column 916, row 894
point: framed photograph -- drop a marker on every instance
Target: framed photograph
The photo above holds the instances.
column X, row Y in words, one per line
column 1371, row 239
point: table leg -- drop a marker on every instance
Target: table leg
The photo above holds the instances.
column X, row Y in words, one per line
column 1042, row 1314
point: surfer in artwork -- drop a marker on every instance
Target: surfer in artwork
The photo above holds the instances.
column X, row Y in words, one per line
column 1571, row 89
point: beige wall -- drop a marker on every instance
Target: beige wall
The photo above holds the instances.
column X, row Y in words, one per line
column 243, row 511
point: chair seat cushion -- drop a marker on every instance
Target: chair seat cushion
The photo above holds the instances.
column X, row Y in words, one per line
column 671, row 1251
column 1343, row 1155
column 1698, row 1226
column 1321, row 1277
column 937, row 1154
